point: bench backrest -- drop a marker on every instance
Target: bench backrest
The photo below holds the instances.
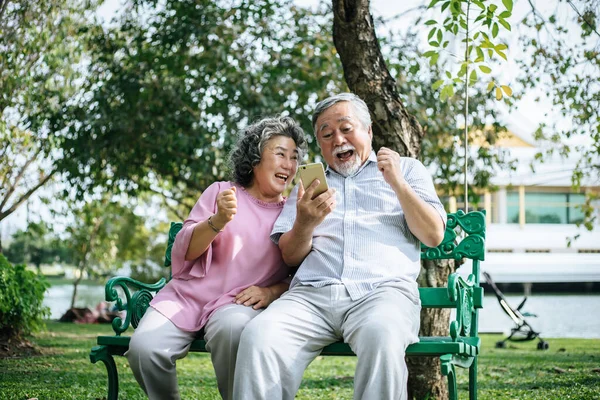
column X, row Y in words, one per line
column 464, row 238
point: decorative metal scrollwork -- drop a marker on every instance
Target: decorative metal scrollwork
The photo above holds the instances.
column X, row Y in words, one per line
column 460, row 291
column 140, row 302
column 173, row 231
column 472, row 246
column 135, row 305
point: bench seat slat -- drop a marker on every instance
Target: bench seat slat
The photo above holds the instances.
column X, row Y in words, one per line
column 427, row 346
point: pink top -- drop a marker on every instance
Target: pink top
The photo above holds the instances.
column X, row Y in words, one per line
column 240, row 256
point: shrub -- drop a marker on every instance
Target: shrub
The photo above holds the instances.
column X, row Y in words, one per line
column 21, row 297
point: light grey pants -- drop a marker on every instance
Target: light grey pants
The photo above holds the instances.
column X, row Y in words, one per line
column 277, row 346
column 157, row 344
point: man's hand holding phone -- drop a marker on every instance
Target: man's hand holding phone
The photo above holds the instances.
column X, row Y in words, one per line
column 312, row 208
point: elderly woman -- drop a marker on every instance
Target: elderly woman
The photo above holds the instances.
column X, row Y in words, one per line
column 225, row 267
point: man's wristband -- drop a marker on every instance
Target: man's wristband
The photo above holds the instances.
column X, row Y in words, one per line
column 212, row 226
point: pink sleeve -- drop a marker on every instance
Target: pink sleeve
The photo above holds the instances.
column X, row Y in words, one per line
column 204, row 208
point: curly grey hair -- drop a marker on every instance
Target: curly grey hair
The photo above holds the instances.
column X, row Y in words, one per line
column 360, row 107
column 249, row 147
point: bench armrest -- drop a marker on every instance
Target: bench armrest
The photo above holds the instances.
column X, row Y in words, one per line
column 461, row 292
column 135, row 304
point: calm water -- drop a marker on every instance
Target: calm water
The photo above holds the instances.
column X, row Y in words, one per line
column 558, row 315
column 58, row 298
column 572, row 316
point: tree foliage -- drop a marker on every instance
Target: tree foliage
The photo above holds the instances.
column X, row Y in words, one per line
column 39, row 72
column 37, row 245
column 475, row 25
column 106, row 235
column 170, row 86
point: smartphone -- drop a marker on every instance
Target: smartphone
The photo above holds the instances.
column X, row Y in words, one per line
column 309, row 172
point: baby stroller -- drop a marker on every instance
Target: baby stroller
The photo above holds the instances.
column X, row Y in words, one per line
column 522, row 331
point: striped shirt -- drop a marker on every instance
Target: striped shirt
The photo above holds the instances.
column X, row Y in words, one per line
column 365, row 241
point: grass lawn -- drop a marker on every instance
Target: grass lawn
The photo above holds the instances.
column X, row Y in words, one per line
column 569, row 370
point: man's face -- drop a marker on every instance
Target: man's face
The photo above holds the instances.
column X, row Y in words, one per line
column 344, row 141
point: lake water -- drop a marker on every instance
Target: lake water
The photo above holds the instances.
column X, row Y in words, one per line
column 564, row 316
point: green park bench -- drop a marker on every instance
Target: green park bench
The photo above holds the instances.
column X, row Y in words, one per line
column 464, row 238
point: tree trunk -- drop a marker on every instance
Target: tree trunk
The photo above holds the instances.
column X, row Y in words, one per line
column 86, row 251
column 76, row 286
column 367, row 76
column 425, row 378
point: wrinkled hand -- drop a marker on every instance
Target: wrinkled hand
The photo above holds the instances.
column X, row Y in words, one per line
column 226, row 207
column 388, row 162
column 311, row 212
column 255, row 296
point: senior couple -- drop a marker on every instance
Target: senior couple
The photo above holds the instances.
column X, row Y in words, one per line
column 356, row 246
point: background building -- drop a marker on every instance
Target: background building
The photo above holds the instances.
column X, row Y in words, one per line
column 532, row 217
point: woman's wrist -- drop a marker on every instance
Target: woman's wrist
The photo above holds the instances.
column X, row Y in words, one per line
column 215, row 224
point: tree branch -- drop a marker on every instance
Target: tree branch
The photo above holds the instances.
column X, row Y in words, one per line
column 4, row 214
column 19, row 176
column 3, row 4
column 583, row 17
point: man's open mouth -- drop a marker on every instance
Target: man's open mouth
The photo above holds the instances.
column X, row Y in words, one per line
column 345, row 155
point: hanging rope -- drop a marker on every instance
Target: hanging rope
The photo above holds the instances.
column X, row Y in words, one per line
column 466, row 143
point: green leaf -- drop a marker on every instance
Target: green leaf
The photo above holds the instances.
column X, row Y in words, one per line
column 508, row 4
column 437, row 84
column 498, row 94
column 439, row 36
column 495, row 30
column 479, row 4
column 505, row 14
column 501, row 54
column 433, row 3
column 501, row 46
column 480, row 55
column 493, row 8
column 485, row 69
column 431, row 33
column 507, row 90
column 434, row 44
column 429, row 53
column 445, row 5
column 490, row 86
column 448, row 74
column 443, row 94
column 505, row 24
column 473, row 77
column 434, row 59
column 431, row 22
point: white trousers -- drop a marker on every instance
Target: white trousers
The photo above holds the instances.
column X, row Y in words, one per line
column 277, row 346
column 157, row 344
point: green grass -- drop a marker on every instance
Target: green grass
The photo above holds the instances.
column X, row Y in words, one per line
column 64, row 371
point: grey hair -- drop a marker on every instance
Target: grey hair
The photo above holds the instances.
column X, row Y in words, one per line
column 248, row 150
column 360, row 107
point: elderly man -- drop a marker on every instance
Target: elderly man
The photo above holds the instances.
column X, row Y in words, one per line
column 357, row 246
